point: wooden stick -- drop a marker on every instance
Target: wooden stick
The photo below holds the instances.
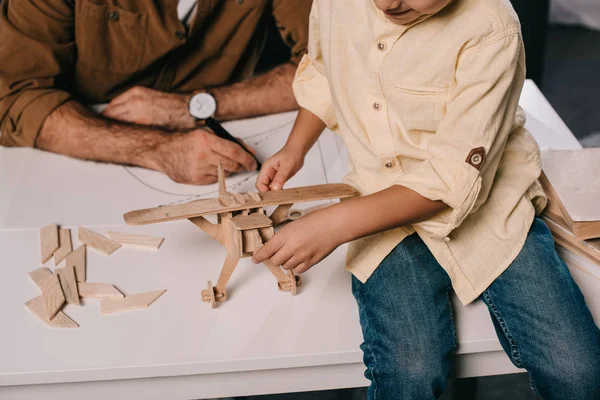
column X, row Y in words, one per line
column 98, row 290
column 77, row 260
column 38, row 275
column 129, row 302
column 96, row 241
column 53, row 295
column 280, row 213
column 65, row 245
column 134, row 240
column 68, row 282
column 60, row 320
column 48, row 241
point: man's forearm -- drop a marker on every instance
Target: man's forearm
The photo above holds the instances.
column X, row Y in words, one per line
column 260, row 95
column 390, row 208
column 75, row 131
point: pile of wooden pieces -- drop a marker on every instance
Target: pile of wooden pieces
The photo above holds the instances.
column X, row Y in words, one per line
column 571, row 181
column 67, row 284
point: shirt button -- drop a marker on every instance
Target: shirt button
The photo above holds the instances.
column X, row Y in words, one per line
column 114, row 16
column 389, row 164
column 381, row 46
column 476, row 159
column 180, row 35
column 377, row 106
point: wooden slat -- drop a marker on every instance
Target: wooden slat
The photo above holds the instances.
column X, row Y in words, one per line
column 68, row 282
column 76, row 259
column 65, row 245
column 38, row 275
column 129, row 302
column 252, row 221
column 53, row 295
column 98, row 290
column 588, row 249
column 96, row 241
column 135, row 240
column 60, row 320
column 212, row 206
column 48, row 241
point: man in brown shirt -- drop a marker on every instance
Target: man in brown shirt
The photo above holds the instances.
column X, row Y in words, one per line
column 57, row 56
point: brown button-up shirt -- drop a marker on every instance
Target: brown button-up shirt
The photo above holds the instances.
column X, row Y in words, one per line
column 92, row 50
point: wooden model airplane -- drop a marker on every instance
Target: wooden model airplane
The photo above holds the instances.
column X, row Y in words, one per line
column 243, row 226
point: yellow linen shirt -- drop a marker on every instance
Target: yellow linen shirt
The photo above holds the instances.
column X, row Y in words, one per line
column 432, row 106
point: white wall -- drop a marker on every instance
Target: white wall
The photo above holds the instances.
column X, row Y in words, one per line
column 581, row 12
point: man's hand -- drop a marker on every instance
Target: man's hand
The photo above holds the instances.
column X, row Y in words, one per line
column 192, row 157
column 300, row 244
column 143, row 106
column 279, row 168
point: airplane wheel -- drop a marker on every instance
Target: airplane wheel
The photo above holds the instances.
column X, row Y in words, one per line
column 208, row 295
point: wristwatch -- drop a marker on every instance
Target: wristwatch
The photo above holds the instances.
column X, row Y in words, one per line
column 202, row 105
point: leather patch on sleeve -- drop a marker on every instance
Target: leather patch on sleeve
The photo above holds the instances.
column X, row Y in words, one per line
column 476, row 158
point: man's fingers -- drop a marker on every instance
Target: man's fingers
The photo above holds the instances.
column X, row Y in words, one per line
column 282, row 256
column 228, row 164
column 301, row 268
column 234, row 151
column 265, row 177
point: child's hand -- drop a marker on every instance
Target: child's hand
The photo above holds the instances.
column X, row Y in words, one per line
column 278, row 169
column 299, row 245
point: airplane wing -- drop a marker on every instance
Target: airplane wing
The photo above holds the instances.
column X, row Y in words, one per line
column 213, row 206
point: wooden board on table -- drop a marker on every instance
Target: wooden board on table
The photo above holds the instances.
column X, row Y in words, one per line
column 49, row 241
column 129, row 302
column 65, row 245
column 98, row 290
column 213, row 206
column 96, row 241
column 60, row 320
column 571, row 178
column 135, row 240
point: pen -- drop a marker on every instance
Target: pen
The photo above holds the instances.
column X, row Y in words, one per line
column 223, row 134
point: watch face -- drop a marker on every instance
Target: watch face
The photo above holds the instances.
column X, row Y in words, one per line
column 202, row 105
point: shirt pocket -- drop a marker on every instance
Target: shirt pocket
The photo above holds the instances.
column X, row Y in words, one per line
column 109, row 38
column 418, row 108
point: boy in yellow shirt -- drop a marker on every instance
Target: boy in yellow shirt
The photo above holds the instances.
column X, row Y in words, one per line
column 425, row 94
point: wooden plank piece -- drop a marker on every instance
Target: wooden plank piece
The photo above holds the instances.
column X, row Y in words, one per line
column 129, row 302
column 252, row 221
column 48, row 241
column 38, row 275
column 65, row 245
column 53, row 295
column 98, row 290
column 76, row 259
column 213, row 206
column 135, row 240
column 61, row 320
column 68, row 282
column 96, row 241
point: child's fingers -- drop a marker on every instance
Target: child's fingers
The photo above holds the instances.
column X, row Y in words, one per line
column 265, row 177
column 265, row 252
column 281, row 177
column 291, row 263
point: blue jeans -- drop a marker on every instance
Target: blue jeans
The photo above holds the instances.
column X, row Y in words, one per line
column 537, row 309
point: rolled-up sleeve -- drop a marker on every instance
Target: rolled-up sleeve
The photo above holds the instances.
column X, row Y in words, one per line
column 37, row 52
column 472, row 135
column 311, row 86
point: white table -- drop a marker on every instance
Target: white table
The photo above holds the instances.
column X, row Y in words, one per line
column 259, row 341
